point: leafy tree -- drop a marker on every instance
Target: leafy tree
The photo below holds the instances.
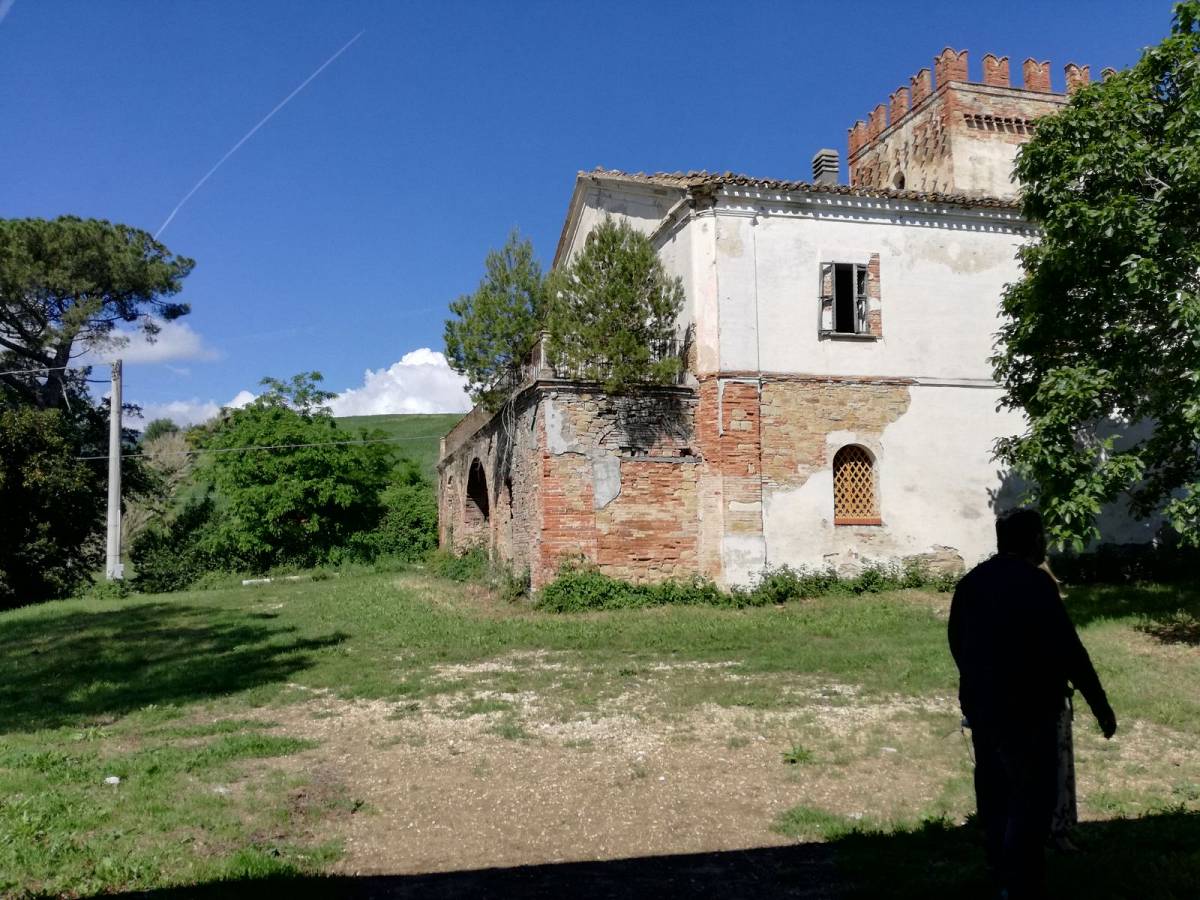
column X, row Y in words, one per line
column 1100, row 345
column 499, row 323
column 157, row 428
column 64, row 286
column 51, row 503
column 299, row 501
column 408, row 528
column 613, row 311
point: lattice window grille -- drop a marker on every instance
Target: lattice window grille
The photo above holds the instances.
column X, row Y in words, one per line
column 854, row 487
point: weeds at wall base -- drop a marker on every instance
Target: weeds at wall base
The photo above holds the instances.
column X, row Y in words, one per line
column 581, row 588
column 474, row 565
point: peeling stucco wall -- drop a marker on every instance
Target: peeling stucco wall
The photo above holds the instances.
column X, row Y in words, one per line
column 619, row 475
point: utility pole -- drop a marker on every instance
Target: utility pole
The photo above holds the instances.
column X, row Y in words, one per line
column 113, row 569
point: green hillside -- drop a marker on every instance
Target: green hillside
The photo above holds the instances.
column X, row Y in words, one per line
column 418, row 434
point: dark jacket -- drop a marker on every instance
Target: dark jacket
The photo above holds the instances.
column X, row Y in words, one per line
column 1015, row 647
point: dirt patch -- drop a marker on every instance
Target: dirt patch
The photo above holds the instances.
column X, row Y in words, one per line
column 539, row 757
column 519, row 782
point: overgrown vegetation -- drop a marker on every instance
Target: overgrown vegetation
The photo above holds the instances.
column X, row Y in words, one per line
column 613, row 311
column 610, row 314
column 308, row 493
column 580, row 588
column 1100, row 346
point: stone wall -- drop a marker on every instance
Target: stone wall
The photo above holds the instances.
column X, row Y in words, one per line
column 609, row 480
column 506, row 446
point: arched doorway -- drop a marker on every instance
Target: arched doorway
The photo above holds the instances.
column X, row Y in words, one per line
column 477, row 510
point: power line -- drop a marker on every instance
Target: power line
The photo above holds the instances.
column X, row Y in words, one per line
column 43, row 369
column 411, row 437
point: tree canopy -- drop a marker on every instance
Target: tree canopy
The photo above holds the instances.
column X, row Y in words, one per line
column 65, row 284
column 498, row 324
column 1100, row 342
column 156, row 428
column 51, row 502
column 291, row 504
column 613, row 311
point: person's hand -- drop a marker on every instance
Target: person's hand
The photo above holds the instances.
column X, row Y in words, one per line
column 1107, row 720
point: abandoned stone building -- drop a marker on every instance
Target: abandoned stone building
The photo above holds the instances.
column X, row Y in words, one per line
column 838, row 404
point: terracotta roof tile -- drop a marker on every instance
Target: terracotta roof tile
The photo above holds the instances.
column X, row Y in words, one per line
column 720, row 179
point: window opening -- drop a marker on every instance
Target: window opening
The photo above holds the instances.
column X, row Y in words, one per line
column 843, row 298
column 854, row 487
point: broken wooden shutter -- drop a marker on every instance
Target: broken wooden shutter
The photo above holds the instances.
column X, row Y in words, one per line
column 825, row 299
column 860, row 299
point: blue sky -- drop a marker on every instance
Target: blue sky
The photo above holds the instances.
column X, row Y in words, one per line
column 334, row 238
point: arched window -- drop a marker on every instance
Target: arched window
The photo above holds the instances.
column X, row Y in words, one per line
column 854, row 487
column 477, row 509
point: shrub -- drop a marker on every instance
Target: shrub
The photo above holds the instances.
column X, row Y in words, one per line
column 785, row 583
column 407, row 529
column 469, row 566
column 1127, row 564
column 581, row 587
column 169, row 555
column 102, row 589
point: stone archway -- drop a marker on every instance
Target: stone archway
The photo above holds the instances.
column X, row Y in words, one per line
column 477, row 508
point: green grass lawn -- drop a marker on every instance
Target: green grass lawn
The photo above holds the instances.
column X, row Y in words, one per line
column 417, row 435
column 174, row 695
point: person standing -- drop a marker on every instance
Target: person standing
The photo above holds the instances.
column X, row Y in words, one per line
column 1016, row 651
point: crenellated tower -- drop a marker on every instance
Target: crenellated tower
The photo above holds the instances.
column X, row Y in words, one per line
column 944, row 133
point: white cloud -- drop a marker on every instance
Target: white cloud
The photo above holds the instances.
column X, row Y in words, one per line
column 240, row 399
column 187, row 412
column 175, row 341
column 421, row 382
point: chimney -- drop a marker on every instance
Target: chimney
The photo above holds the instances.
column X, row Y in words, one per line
column 1077, row 76
column 876, row 122
column 1036, row 75
column 898, row 104
column 1107, row 72
column 950, row 66
column 825, row 167
column 922, row 86
column 995, row 70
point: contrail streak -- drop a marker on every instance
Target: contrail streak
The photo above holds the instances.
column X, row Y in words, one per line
column 249, row 134
column 5, row 6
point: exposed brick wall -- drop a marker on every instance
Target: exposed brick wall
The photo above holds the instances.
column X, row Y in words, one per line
column 798, row 415
column 874, row 297
column 650, row 530
column 611, row 480
column 657, row 485
column 568, row 526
